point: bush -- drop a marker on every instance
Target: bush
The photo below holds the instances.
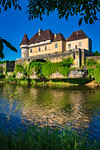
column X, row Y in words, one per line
column 2, row 76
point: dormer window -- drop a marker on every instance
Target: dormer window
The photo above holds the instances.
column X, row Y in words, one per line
column 30, row 50
column 39, row 48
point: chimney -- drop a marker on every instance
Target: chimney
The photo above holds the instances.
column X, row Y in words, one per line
column 55, row 35
column 77, row 33
column 40, row 31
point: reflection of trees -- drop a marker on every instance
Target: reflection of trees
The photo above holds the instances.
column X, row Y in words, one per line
column 58, row 105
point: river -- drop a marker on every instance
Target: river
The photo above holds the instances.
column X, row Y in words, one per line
column 78, row 107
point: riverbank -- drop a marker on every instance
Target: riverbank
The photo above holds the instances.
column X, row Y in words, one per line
column 58, row 83
column 46, row 138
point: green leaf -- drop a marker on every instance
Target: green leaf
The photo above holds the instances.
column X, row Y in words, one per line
column 80, row 21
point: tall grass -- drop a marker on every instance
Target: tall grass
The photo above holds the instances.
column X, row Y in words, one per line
column 45, row 138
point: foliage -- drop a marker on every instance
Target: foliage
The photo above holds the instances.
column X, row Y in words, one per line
column 2, row 76
column 3, row 41
column 93, row 67
column 61, row 67
column 96, row 53
column 5, row 61
column 1, row 69
column 86, row 9
column 91, row 62
column 45, row 138
column 97, row 73
column 35, row 66
column 19, row 68
column 8, row 4
column 44, row 69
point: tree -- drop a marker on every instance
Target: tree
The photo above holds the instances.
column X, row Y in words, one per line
column 3, row 41
column 8, row 4
column 96, row 53
column 87, row 9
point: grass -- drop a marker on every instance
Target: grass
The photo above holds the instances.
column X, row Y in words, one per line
column 45, row 138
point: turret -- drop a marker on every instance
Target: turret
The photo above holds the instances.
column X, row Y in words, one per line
column 24, row 47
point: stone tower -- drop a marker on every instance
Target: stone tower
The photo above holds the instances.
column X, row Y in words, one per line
column 24, row 47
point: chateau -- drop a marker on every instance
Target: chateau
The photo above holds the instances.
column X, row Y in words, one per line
column 46, row 45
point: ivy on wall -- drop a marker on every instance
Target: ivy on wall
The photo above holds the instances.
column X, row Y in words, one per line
column 45, row 68
column 62, row 67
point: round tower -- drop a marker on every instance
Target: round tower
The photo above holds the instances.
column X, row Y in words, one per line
column 24, row 47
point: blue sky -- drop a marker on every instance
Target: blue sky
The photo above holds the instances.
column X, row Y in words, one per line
column 14, row 24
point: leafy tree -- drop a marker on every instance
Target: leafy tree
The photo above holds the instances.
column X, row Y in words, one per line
column 8, row 4
column 96, row 53
column 3, row 41
column 87, row 9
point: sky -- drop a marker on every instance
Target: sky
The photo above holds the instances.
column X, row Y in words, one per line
column 15, row 23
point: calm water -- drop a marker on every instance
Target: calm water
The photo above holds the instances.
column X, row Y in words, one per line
column 78, row 107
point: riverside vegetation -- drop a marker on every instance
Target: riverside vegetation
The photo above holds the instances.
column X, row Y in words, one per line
column 44, row 69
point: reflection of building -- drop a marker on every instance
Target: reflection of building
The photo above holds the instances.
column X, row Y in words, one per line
column 60, row 108
column 46, row 45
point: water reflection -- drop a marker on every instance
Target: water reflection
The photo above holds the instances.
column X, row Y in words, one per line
column 79, row 107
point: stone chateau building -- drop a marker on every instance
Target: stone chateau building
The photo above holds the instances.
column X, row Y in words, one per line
column 46, row 45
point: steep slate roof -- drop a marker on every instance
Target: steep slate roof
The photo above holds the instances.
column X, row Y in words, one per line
column 59, row 37
column 77, row 35
column 31, row 41
column 25, row 40
column 45, row 35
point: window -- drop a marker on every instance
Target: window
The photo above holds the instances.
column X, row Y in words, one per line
column 74, row 56
column 30, row 50
column 69, row 45
column 80, row 44
column 45, row 47
column 76, row 46
column 56, row 45
column 39, row 48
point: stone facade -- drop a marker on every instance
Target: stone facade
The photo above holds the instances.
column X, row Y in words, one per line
column 79, row 56
column 45, row 45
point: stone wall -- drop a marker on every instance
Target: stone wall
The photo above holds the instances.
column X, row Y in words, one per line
column 94, row 58
column 79, row 56
column 77, row 73
column 9, row 66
